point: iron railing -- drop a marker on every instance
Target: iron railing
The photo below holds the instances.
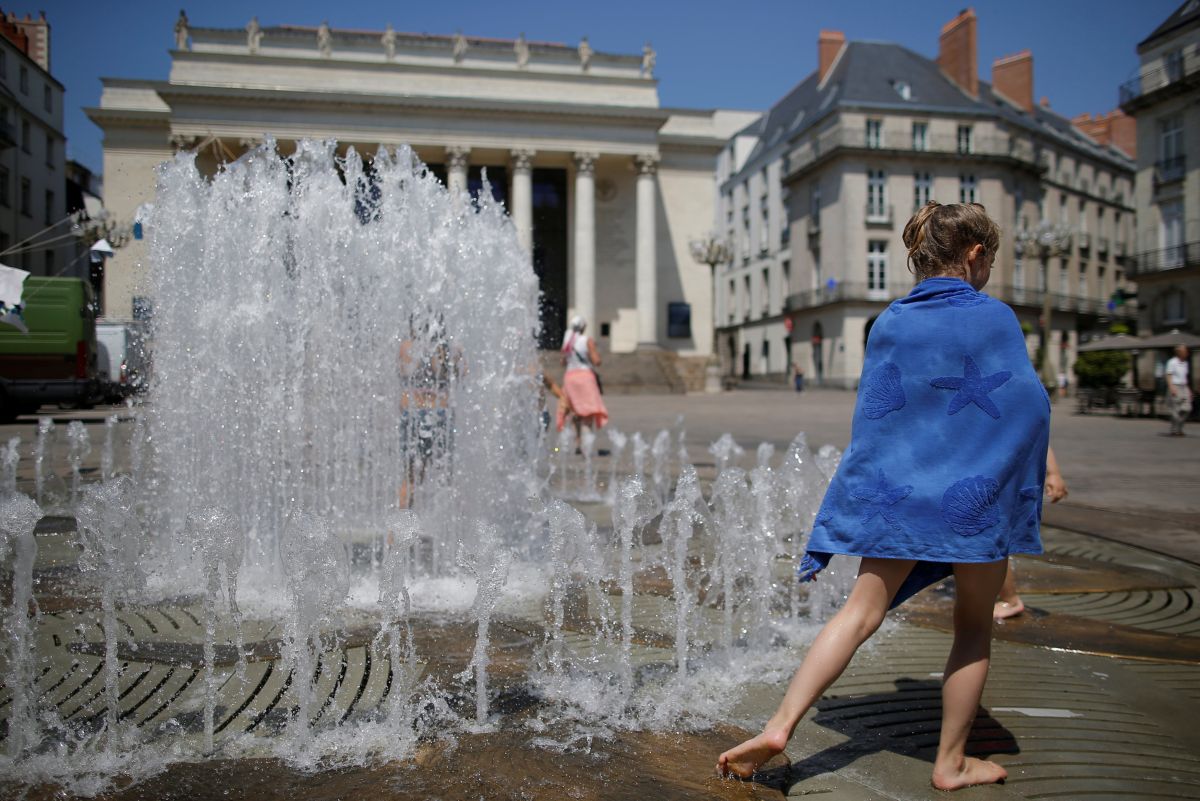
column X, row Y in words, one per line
column 850, row 291
column 999, row 146
column 1173, row 71
column 1168, row 170
column 1173, row 258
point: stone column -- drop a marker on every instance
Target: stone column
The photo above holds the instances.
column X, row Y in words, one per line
column 646, row 262
column 457, row 159
column 522, row 197
column 584, row 296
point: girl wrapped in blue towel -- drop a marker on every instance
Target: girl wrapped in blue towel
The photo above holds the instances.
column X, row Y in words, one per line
column 943, row 476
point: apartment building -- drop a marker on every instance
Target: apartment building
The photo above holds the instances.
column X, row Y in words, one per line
column 1164, row 99
column 32, row 154
column 816, row 210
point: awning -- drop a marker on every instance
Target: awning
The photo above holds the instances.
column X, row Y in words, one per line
column 1115, row 342
column 1170, row 340
column 102, row 246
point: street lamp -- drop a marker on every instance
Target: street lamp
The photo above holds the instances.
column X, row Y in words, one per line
column 712, row 250
column 1045, row 241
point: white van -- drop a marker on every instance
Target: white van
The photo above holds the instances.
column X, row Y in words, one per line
column 123, row 363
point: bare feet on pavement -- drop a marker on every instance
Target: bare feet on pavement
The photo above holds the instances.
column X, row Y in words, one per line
column 1006, row 609
column 746, row 758
column 972, row 772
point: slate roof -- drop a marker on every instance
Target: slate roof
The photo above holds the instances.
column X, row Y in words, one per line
column 867, row 76
column 1187, row 13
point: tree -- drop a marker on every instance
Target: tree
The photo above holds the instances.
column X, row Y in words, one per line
column 1102, row 369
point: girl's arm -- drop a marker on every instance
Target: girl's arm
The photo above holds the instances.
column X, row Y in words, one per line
column 1056, row 486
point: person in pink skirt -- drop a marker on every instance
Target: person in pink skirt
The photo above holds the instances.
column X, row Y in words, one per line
column 580, row 385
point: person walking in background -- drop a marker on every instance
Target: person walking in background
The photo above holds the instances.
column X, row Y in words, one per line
column 580, row 382
column 797, row 377
column 1008, row 602
column 1179, row 390
column 949, row 441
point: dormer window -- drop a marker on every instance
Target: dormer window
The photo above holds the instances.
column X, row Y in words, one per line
column 903, row 89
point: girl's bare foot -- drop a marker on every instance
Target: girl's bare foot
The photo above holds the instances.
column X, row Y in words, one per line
column 972, row 771
column 746, row 758
column 1006, row 609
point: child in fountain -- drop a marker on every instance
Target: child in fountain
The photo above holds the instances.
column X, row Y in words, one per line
column 943, row 477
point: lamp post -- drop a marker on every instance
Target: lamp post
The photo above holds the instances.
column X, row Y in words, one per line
column 1045, row 241
column 712, row 250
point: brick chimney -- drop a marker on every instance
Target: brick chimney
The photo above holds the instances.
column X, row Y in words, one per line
column 1012, row 76
column 1115, row 128
column 958, row 55
column 829, row 44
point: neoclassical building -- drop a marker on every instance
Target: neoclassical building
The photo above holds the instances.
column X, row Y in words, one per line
column 1164, row 98
column 815, row 196
column 605, row 186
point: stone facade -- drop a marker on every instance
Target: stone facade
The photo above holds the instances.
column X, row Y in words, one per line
column 605, row 186
column 32, row 154
column 817, row 209
column 1165, row 101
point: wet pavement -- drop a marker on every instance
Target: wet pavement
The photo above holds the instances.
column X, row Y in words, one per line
column 1093, row 692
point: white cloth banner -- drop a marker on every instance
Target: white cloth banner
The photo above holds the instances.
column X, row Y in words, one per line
column 12, row 283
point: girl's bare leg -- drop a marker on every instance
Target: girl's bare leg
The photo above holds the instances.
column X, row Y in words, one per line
column 975, row 588
column 1008, row 603
column 876, row 586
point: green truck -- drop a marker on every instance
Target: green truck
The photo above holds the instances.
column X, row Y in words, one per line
column 55, row 362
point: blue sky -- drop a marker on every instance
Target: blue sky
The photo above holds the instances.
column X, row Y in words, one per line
column 742, row 55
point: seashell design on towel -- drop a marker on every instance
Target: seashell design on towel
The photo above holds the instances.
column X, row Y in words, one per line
column 969, row 506
column 883, row 392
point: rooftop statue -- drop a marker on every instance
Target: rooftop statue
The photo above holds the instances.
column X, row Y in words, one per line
column 325, row 40
column 389, row 42
column 585, row 54
column 254, row 35
column 521, row 48
column 181, row 31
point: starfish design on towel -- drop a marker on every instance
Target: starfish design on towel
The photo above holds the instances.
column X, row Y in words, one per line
column 973, row 387
column 880, row 499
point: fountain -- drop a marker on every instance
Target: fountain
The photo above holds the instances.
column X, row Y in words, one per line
column 334, row 534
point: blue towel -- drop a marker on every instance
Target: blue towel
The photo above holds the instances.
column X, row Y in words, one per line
column 947, row 454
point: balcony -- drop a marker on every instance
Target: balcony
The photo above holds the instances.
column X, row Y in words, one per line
column 814, row 225
column 1120, row 249
column 1174, row 76
column 8, row 135
column 841, row 293
column 1059, row 301
column 1085, row 240
column 1013, row 151
column 879, row 214
column 1102, row 245
column 1169, row 170
column 1178, row 257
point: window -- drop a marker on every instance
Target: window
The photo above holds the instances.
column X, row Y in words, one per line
column 785, row 269
column 1083, row 293
column 922, row 189
column 966, row 189
column 903, row 89
column 875, row 134
column 4, row 201
column 731, row 305
column 1174, row 307
column 1100, row 229
column 1173, row 65
column 49, row 207
column 1018, row 202
column 966, row 139
column 25, row 190
column 814, row 205
column 877, row 269
column 5, row 241
column 766, row 292
column 49, row 151
column 746, row 303
column 745, row 233
column 1172, row 234
column 1018, row 278
column 3, row 64
column 1170, row 138
column 1062, row 209
column 24, row 80
column 764, row 228
column 49, row 261
column 25, row 136
column 1101, row 274
column 920, row 135
column 1083, row 216
column 876, row 194
column 1063, row 278
column 47, row 98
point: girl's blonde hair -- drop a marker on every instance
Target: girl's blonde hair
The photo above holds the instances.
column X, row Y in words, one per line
column 938, row 237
